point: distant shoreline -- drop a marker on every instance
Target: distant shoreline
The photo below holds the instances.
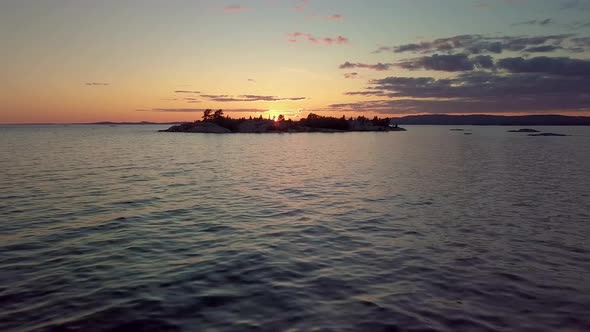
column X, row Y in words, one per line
column 434, row 119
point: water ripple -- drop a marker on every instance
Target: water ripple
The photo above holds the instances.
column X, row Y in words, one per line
column 124, row 229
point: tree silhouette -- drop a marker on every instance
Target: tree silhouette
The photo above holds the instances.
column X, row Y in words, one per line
column 218, row 114
column 207, row 114
column 281, row 118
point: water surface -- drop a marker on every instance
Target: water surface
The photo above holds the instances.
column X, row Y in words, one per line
column 123, row 228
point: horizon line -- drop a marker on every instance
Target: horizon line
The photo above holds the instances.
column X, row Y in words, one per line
column 178, row 122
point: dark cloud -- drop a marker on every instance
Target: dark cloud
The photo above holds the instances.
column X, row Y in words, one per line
column 448, row 62
column 521, row 43
column 351, row 75
column 479, row 84
column 483, row 61
column 437, row 45
column 546, row 65
column 96, row 84
column 549, row 104
column 477, row 91
column 478, row 44
column 543, row 22
column 377, row 66
column 581, row 42
column 249, row 98
column 542, row 49
column 485, row 82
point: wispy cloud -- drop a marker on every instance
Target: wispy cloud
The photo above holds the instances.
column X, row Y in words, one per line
column 192, row 100
column 299, row 8
column 234, row 8
column 171, row 110
column 579, row 25
column 351, row 75
column 335, row 17
column 96, row 84
column 477, row 44
column 187, row 91
column 295, row 37
column 492, row 4
column 378, row 66
column 199, row 110
column 575, row 5
column 249, row 98
column 541, row 22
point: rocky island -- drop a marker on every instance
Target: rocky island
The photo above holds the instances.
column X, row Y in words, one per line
column 216, row 122
column 524, row 130
column 548, row 134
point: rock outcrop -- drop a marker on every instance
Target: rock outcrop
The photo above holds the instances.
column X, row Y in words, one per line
column 198, row 127
column 524, row 130
column 547, row 134
column 269, row 126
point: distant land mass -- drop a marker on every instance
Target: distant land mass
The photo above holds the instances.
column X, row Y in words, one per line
column 133, row 123
column 444, row 119
column 493, row 120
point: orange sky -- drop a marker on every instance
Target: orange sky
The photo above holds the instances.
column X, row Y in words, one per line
column 82, row 61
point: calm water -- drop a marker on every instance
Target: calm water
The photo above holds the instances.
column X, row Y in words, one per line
column 122, row 228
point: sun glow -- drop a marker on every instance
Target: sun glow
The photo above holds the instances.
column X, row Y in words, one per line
column 274, row 114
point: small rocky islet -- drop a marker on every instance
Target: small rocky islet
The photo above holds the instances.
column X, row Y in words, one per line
column 219, row 124
column 523, row 130
column 548, row 134
column 534, row 132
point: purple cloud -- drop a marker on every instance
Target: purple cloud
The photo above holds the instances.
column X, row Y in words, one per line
column 233, row 8
column 378, row 66
column 249, row 98
column 294, row 37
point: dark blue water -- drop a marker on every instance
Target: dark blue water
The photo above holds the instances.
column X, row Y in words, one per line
column 122, row 228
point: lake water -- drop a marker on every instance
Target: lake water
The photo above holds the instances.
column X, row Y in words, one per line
column 126, row 229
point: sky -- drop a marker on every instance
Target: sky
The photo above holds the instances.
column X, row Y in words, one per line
column 70, row 61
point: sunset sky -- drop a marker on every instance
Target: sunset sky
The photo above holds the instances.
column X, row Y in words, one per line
column 134, row 60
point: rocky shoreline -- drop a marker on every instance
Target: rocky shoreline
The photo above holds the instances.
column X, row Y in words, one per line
column 270, row 126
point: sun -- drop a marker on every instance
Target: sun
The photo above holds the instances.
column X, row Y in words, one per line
column 274, row 114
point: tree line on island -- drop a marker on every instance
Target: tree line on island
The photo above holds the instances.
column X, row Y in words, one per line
column 217, row 122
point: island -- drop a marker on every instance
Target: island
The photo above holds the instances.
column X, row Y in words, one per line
column 216, row 122
column 548, row 134
column 524, row 130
